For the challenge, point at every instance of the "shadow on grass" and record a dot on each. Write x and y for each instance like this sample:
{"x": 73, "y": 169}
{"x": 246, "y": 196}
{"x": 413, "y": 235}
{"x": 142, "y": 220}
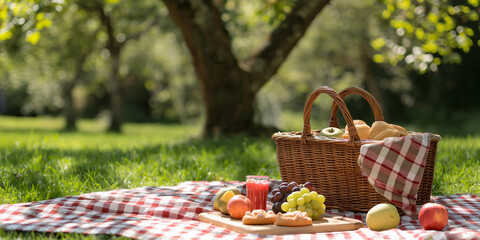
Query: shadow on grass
{"x": 46, "y": 132}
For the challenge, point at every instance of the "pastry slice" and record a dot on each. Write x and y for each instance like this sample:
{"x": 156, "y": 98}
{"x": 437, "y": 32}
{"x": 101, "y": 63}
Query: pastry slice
{"x": 259, "y": 216}
{"x": 293, "y": 219}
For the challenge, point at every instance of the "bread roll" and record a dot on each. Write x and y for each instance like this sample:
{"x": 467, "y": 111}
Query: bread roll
{"x": 293, "y": 219}
{"x": 259, "y": 216}
{"x": 362, "y": 128}
{"x": 381, "y": 130}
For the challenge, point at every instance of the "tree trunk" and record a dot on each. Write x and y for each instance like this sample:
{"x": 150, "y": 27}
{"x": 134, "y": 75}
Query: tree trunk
{"x": 229, "y": 104}
{"x": 116, "y": 94}
{"x": 229, "y": 86}
{"x": 69, "y": 86}
{"x": 69, "y": 108}
{"x": 115, "y": 86}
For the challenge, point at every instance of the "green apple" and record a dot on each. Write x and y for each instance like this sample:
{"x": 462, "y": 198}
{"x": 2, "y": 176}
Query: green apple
{"x": 332, "y": 132}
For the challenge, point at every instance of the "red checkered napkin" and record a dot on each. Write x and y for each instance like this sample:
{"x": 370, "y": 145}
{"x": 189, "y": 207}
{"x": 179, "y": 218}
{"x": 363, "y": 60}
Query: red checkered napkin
{"x": 394, "y": 167}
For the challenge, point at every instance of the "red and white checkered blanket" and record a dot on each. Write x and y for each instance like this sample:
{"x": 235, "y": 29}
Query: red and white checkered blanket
{"x": 394, "y": 167}
{"x": 171, "y": 213}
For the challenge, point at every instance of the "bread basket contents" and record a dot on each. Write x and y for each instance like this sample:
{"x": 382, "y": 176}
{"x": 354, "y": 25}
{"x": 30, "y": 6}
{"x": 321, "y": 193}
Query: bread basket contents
{"x": 331, "y": 132}
{"x": 258, "y": 217}
{"x": 293, "y": 219}
{"x": 362, "y": 128}
{"x": 381, "y": 130}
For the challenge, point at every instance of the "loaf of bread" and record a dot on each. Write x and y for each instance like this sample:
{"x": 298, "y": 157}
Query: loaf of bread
{"x": 381, "y": 130}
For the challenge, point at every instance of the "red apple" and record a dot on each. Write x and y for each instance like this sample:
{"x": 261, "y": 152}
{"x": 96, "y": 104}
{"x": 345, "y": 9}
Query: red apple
{"x": 238, "y": 206}
{"x": 433, "y": 216}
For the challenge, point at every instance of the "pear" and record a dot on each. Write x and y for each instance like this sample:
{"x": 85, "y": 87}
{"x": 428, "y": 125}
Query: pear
{"x": 223, "y": 201}
{"x": 220, "y": 194}
{"x": 383, "y": 216}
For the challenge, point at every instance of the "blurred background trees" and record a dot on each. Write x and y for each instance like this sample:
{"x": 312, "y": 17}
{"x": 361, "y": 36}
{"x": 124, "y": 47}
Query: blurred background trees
{"x": 125, "y": 60}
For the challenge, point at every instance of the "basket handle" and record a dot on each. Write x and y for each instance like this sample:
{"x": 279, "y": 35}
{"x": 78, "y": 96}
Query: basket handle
{"x": 377, "y": 111}
{"x": 307, "y": 130}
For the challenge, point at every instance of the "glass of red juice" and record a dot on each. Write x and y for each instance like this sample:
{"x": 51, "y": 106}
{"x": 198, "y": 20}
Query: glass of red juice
{"x": 257, "y": 191}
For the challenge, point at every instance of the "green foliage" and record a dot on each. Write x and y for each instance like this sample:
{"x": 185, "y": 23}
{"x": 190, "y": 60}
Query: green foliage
{"x": 273, "y": 12}
{"x": 159, "y": 65}
{"x": 334, "y": 52}
{"x": 43, "y": 72}
{"x": 428, "y": 32}
{"x": 25, "y": 19}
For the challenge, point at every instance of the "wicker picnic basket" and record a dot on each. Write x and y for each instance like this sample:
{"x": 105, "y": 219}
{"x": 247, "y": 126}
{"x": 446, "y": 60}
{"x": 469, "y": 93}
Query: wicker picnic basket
{"x": 331, "y": 164}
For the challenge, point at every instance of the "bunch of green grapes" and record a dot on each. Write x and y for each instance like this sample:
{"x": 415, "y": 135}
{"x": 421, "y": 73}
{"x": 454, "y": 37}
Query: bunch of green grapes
{"x": 305, "y": 201}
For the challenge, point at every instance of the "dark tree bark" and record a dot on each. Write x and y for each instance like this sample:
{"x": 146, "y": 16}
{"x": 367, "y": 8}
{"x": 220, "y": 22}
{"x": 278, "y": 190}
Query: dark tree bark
{"x": 69, "y": 86}
{"x": 70, "y": 113}
{"x": 114, "y": 84}
{"x": 229, "y": 85}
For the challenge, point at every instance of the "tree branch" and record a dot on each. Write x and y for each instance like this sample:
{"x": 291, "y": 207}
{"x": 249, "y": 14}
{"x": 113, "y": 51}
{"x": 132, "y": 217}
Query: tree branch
{"x": 265, "y": 62}
{"x": 204, "y": 33}
{"x": 112, "y": 43}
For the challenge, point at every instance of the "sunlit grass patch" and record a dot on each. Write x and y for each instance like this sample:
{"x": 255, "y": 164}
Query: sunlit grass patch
{"x": 457, "y": 168}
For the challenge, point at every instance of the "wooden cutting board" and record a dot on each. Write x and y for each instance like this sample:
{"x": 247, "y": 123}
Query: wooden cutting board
{"x": 328, "y": 223}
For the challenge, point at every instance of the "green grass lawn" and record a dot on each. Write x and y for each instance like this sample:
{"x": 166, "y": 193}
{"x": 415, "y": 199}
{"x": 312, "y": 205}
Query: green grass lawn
{"x": 39, "y": 161}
